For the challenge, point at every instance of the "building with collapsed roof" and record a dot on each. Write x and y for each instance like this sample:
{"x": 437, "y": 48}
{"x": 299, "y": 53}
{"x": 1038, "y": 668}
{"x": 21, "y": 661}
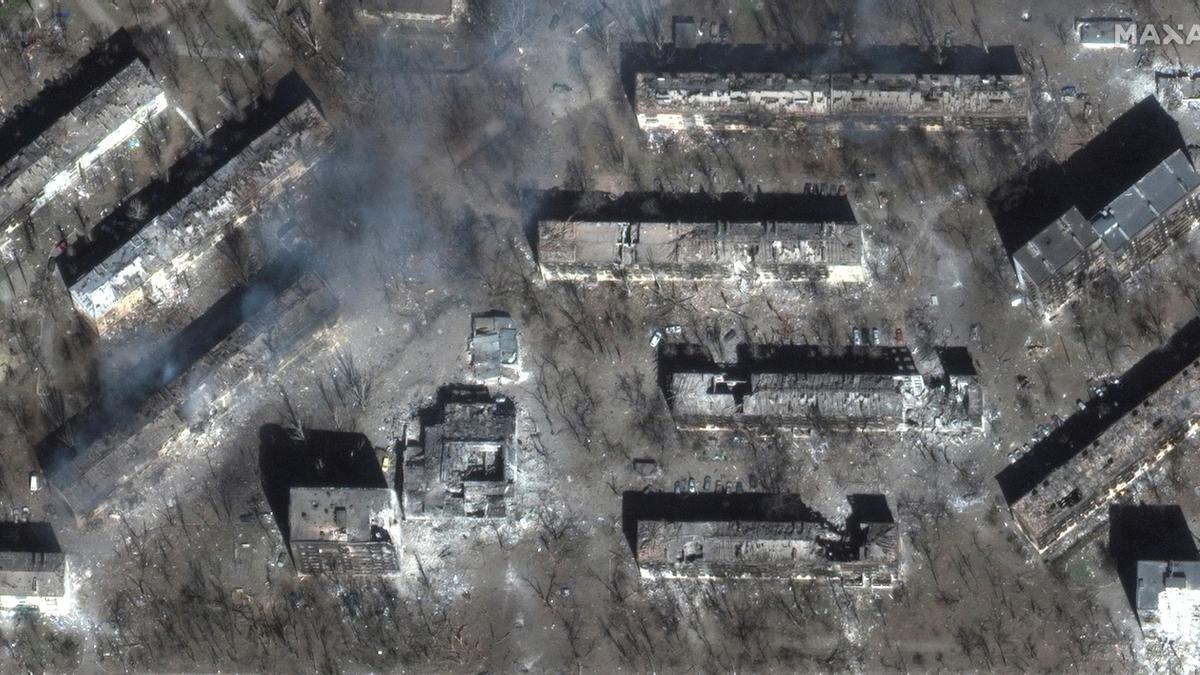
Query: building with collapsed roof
{"x": 1130, "y": 231}
{"x": 33, "y": 570}
{"x": 717, "y": 88}
{"x": 792, "y": 386}
{"x": 758, "y": 536}
{"x": 78, "y": 155}
{"x": 493, "y": 346}
{"x": 1168, "y": 599}
{"x": 962, "y": 405}
{"x": 461, "y": 465}
{"x": 178, "y": 265}
{"x": 647, "y": 236}
{"x": 250, "y": 331}
{"x": 343, "y": 530}
{"x": 1059, "y": 492}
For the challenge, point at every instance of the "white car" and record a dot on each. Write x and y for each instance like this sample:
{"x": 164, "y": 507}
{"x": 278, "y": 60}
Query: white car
{"x": 655, "y": 338}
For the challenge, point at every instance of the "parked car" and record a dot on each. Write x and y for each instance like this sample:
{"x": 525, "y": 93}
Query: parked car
{"x": 875, "y": 336}
{"x": 857, "y": 336}
{"x": 655, "y": 338}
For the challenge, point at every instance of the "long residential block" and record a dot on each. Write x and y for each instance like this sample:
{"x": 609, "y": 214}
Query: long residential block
{"x": 648, "y": 236}
{"x": 1060, "y": 491}
{"x": 181, "y": 262}
{"x": 718, "y": 88}
{"x": 760, "y": 536}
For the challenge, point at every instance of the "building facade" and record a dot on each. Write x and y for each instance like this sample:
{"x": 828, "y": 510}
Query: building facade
{"x": 745, "y": 88}
{"x": 1132, "y": 230}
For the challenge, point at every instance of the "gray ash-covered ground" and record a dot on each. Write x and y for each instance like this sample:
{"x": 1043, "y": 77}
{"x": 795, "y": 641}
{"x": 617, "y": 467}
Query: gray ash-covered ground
{"x": 421, "y": 217}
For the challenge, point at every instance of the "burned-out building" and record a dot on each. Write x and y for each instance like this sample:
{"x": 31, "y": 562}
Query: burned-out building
{"x": 78, "y": 155}
{"x": 1060, "y": 490}
{"x": 175, "y": 267}
{"x": 791, "y": 386}
{"x": 344, "y": 530}
{"x": 760, "y": 536}
{"x": 33, "y": 570}
{"x": 656, "y": 236}
{"x": 181, "y": 384}
{"x": 722, "y": 88}
{"x": 461, "y": 464}
{"x": 492, "y": 346}
{"x": 960, "y": 389}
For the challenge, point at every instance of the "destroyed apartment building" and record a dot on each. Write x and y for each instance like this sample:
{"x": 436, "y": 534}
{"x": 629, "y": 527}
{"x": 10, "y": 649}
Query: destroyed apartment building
{"x": 1113, "y": 207}
{"x": 492, "y": 347}
{"x": 178, "y": 265}
{"x": 791, "y": 386}
{"x": 78, "y": 162}
{"x": 344, "y": 530}
{"x": 961, "y": 391}
{"x": 737, "y": 88}
{"x": 592, "y": 236}
{"x": 761, "y": 536}
{"x": 33, "y": 570}
{"x": 1061, "y": 489}
{"x": 462, "y": 463}
{"x": 183, "y": 383}
{"x": 333, "y": 504}
{"x": 1168, "y": 600}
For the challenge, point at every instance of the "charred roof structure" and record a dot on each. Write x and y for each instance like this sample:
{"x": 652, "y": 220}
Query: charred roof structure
{"x": 33, "y": 570}
{"x": 43, "y": 163}
{"x": 179, "y": 264}
{"x": 461, "y": 465}
{"x": 183, "y": 383}
{"x": 344, "y": 530}
{"x": 1114, "y": 206}
{"x": 796, "y": 386}
{"x": 493, "y": 346}
{"x": 1059, "y": 491}
{"x": 721, "y": 88}
{"x": 761, "y": 536}
{"x": 693, "y": 236}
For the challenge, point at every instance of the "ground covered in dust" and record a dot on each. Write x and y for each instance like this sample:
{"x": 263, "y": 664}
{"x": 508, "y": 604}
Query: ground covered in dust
{"x": 422, "y": 216}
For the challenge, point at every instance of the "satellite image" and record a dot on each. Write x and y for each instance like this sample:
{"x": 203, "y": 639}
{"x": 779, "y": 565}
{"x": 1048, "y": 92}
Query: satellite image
{"x": 612, "y": 336}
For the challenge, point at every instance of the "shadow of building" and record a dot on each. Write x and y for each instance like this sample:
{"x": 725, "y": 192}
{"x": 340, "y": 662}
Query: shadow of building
{"x": 1092, "y": 177}
{"x": 1147, "y": 532}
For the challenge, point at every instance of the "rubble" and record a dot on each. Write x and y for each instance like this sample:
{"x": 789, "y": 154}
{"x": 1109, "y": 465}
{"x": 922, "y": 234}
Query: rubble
{"x": 462, "y": 463}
